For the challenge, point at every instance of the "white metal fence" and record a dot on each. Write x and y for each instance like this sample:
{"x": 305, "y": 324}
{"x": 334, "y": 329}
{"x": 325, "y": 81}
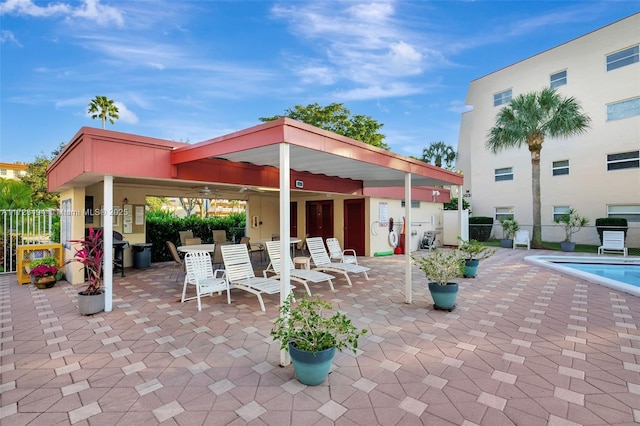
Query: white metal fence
{"x": 21, "y": 227}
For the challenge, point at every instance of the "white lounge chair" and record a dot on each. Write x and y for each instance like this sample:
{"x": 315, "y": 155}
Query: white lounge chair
{"x": 336, "y": 253}
{"x": 200, "y": 274}
{"x": 612, "y": 241}
{"x": 522, "y": 239}
{"x": 322, "y": 262}
{"x": 240, "y": 274}
{"x": 302, "y": 276}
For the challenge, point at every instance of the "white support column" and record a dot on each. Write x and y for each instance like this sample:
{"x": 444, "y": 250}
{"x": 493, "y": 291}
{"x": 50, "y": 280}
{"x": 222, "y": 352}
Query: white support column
{"x": 460, "y": 204}
{"x": 408, "y": 298}
{"x": 285, "y": 232}
{"x": 107, "y": 238}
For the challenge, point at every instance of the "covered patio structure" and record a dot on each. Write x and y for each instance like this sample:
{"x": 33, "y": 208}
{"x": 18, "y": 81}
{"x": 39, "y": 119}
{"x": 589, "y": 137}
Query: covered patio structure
{"x": 284, "y": 155}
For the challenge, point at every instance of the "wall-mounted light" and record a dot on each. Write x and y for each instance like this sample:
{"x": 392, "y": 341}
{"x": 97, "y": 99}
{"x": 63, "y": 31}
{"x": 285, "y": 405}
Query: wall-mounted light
{"x": 125, "y": 201}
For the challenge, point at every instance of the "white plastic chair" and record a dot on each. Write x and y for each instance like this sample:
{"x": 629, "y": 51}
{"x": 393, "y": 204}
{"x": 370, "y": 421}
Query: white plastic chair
{"x": 522, "y": 239}
{"x": 240, "y": 274}
{"x": 612, "y": 241}
{"x": 200, "y": 274}
{"x": 336, "y": 252}
{"x": 322, "y": 262}
{"x": 300, "y": 275}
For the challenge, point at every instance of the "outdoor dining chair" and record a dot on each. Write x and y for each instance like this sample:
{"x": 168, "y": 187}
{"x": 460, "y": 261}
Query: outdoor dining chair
{"x": 178, "y": 261}
{"x": 201, "y": 275}
{"x": 184, "y": 235}
{"x": 192, "y": 241}
{"x": 322, "y": 262}
{"x": 303, "y": 276}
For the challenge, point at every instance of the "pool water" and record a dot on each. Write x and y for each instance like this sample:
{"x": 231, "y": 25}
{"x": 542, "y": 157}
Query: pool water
{"x": 629, "y": 274}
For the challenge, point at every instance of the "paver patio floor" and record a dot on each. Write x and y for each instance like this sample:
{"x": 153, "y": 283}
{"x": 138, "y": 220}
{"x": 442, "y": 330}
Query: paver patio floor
{"x": 525, "y": 346}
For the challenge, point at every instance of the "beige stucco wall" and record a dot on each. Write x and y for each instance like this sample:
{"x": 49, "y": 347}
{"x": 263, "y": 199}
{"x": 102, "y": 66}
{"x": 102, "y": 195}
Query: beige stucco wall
{"x": 589, "y": 188}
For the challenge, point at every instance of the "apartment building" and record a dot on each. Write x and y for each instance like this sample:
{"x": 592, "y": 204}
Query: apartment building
{"x": 597, "y": 173}
{"x": 12, "y": 170}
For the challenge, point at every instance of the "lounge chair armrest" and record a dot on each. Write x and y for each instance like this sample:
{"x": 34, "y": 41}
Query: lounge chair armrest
{"x": 349, "y": 251}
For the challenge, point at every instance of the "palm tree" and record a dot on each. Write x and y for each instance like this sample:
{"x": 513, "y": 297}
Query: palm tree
{"x": 530, "y": 118}
{"x": 104, "y": 109}
{"x": 439, "y": 152}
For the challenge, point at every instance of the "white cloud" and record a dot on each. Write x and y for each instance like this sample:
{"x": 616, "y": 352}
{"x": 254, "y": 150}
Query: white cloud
{"x": 459, "y": 107}
{"x": 91, "y": 10}
{"x": 9, "y": 37}
{"x": 125, "y": 114}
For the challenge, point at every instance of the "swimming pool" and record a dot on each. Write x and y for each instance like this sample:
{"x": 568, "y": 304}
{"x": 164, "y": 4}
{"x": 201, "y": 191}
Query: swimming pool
{"x": 619, "y": 273}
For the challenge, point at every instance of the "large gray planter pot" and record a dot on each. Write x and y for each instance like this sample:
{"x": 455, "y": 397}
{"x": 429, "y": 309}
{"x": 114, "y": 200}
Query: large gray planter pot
{"x": 567, "y": 246}
{"x": 506, "y": 243}
{"x": 90, "y": 304}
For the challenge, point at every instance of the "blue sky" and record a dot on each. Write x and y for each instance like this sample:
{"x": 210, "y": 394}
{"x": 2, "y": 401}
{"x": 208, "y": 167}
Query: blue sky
{"x": 193, "y": 70}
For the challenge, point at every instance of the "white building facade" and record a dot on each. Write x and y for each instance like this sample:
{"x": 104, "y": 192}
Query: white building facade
{"x": 597, "y": 173}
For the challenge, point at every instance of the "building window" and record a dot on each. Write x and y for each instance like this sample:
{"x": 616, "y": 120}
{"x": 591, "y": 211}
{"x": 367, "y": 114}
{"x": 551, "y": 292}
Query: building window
{"x": 623, "y": 58}
{"x": 558, "y": 79}
{"x": 623, "y": 160}
{"x": 415, "y": 204}
{"x": 504, "y": 174}
{"x": 624, "y": 109}
{"x": 629, "y": 212}
{"x": 560, "y": 168}
{"x": 504, "y": 213}
{"x": 502, "y": 98}
{"x": 3, "y": 172}
{"x": 560, "y": 211}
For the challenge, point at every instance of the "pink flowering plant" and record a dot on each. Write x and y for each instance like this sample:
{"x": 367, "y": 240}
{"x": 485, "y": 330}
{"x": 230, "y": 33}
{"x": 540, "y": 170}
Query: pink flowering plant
{"x": 44, "y": 271}
{"x": 90, "y": 255}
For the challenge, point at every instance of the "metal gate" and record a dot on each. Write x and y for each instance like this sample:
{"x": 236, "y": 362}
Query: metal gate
{"x": 21, "y": 227}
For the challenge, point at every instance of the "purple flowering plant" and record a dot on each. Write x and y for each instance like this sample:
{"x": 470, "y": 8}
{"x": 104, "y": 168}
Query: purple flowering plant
{"x": 44, "y": 271}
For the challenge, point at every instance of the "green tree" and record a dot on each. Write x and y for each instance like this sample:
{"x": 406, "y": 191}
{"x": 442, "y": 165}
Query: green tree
{"x": 14, "y": 195}
{"x": 439, "y": 152}
{"x": 337, "y": 118}
{"x": 529, "y": 119}
{"x": 104, "y": 109}
{"x": 157, "y": 203}
{"x": 36, "y": 179}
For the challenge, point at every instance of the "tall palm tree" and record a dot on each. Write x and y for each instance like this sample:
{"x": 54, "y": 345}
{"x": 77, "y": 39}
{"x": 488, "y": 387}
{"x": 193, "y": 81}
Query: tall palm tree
{"x": 104, "y": 109}
{"x": 439, "y": 152}
{"x": 529, "y": 119}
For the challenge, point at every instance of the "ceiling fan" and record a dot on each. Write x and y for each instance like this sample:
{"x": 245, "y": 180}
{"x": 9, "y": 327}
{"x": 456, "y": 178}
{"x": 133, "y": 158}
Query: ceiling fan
{"x": 203, "y": 192}
{"x": 250, "y": 188}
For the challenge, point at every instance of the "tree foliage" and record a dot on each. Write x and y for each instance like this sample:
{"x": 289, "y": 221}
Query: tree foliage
{"x": 337, "y": 118}
{"x": 529, "y": 119}
{"x": 36, "y": 179}
{"x": 439, "y": 152}
{"x": 14, "y": 195}
{"x": 104, "y": 109}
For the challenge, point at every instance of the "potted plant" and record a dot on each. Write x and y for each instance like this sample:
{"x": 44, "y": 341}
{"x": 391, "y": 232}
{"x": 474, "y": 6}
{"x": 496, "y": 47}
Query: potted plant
{"x": 440, "y": 268}
{"x": 572, "y": 223}
{"x": 509, "y": 228}
{"x": 89, "y": 255}
{"x": 44, "y": 272}
{"x": 312, "y": 335}
{"x": 473, "y": 252}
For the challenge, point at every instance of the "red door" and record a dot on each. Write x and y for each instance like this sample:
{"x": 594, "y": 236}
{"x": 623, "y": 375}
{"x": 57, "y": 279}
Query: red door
{"x": 320, "y": 218}
{"x": 354, "y": 226}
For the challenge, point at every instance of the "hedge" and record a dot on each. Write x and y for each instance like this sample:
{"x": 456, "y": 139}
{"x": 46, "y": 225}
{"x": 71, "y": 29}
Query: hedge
{"x": 164, "y": 227}
{"x": 480, "y": 227}
{"x": 611, "y": 224}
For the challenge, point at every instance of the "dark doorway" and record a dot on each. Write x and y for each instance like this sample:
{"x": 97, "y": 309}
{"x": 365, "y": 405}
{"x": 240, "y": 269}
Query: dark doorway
{"x": 320, "y": 218}
{"x": 354, "y": 226}
{"x": 293, "y": 217}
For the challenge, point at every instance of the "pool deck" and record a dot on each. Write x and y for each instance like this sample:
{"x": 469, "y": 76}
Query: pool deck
{"x": 525, "y": 346}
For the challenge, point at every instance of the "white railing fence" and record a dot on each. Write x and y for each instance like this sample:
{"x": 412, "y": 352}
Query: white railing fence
{"x": 22, "y": 227}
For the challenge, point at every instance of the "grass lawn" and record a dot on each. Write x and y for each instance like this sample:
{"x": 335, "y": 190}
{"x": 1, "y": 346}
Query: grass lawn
{"x": 580, "y": 248}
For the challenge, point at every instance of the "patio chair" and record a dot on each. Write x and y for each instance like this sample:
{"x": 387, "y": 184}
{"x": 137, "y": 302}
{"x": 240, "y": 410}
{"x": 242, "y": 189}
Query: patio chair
{"x": 240, "y": 275}
{"x": 303, "y": 276}
{"x": 613, "y": 241}
{"x": 522, "y": 239}
{"x": 178, "y": 261}
{"x": 253, "y": 248}
{"x": 200, "y": 274}
{"x": 322, "y": 262}
{"x": 184, "y": 235}
{"x": 336, "y": 252}
{"x": 219, "y": 236}
{"x": 192, "y": 241}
